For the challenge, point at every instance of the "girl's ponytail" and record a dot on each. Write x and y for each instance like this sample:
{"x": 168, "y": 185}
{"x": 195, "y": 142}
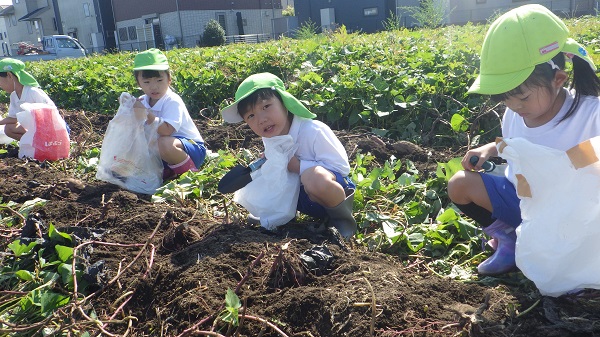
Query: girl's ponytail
{"x": 585, "y": 81}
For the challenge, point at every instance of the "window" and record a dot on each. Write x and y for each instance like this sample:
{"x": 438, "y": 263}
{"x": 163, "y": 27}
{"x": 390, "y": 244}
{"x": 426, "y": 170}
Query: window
{"x": 373, "y": 11}
{"x": 132, "y": 33}
{"x": 13, "y": 20}
{"x": 65, "y": 43}
{"x": 123, "y": 34}
{"x": 86, "y": 9}
{"x": 29, "y": 27}
{"x": 221, "y": 20}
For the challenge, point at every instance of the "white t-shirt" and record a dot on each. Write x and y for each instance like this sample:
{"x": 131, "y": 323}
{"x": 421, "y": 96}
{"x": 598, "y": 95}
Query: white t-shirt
{"x": 582, "y": 125}
{"x": 318, "y": 146}
{"x": 28, "y": 95}
{"x": 172, "y": 110}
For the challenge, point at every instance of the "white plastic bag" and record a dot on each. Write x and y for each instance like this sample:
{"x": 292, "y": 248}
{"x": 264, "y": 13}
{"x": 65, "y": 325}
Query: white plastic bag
{"x": 557, "y": 242}
{"x": 4, "y": 139}
{"x": 46, "y": 137}
{"x": 272, "y": 195}
{"x": 129, "y": 156}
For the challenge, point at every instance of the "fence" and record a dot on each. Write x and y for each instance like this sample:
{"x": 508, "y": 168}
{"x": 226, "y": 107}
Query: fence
{"x": 248, "y": 38}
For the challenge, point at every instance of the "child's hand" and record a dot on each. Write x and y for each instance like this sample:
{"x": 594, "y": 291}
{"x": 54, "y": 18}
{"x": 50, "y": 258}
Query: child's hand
{"x": 294, "y": 165}
{"x": 483, "y": 153}
{"x": 140, "y": 110}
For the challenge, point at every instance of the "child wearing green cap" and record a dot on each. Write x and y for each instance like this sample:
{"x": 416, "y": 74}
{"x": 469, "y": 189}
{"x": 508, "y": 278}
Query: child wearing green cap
{"x": 523, "y": 65}
{"x": 23, "y": 88}
{"x": 263, "y": 103}
{"x": 180, "y": 144}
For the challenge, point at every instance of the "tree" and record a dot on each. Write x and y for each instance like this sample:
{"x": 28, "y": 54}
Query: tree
{"x": 214, "y": 34}
{"x": 430, "y": 13}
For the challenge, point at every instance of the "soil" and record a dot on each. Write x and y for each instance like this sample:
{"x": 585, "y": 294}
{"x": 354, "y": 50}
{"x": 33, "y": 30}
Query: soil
{"x": 164, "y": 270}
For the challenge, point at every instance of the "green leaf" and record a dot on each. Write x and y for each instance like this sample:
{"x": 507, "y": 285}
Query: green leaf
{"x": 64, "y": 253}
{"x": 30, "y": 204}
{"x": 20, "y": 249}
{"x": 24, "y": 275}
{"x": 51, "y": 301}
{"x": 232, "y": 300}
{"x": 232, "y": 304}
{"x": 459, "y": 123}
{"x": 54, "y": 234}
{"x": 447, "y": 170}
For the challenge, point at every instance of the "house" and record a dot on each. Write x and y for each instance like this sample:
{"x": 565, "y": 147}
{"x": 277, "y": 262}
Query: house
{"x": 90, "y": 21}
{"x": 462, "y": 11}
{"x": 368, "y": 15}
{"x": 143, "y": 24}
{"x": 363, "y": 15}
{"x": 4, "y": 40}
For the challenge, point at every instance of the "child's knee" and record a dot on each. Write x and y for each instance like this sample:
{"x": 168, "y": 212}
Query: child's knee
{"x": 455, "y": 184}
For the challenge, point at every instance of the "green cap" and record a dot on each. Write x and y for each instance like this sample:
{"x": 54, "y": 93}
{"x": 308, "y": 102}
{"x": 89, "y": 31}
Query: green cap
{"x": 516, "y": 42}
{"x": 151, "y": 59}
{"x": 260, "y": 81}
{"x": 17, "y": 67}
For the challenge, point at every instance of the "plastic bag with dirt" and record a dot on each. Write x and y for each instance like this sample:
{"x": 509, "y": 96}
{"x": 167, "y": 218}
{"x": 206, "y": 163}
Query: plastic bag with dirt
{"x": 129, "y": 156}
{"x": 557, "y": 241}
{"x": 272, "y": 195}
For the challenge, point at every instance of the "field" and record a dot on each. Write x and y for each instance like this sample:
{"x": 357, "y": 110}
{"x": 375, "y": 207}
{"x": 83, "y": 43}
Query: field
{"x": 185, "y": 262}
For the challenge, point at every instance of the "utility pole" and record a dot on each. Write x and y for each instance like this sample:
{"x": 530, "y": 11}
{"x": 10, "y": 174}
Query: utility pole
{"x": 179, "y": 18}
{"x": 273, "y": 18}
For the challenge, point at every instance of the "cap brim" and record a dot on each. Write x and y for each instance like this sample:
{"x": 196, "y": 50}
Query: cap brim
{"x": 230, "y": 113}
{"x": 25, "y": 78}
{"x": 572, "y": 47}
{"x": 493, "y": 84}
{"x": 153, "y": 67}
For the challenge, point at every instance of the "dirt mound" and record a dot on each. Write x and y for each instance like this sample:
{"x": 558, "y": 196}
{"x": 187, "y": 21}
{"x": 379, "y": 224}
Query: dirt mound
{"x": 164, "y": 270}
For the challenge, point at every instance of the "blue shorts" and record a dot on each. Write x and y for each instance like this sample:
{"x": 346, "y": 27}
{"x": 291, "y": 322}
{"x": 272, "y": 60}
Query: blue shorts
{"x": 309, "y": 207}
{"x": 504, "y": 199}
{"x": 196, "y": 151}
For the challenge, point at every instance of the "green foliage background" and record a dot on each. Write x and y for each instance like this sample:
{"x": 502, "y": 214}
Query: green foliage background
{"x": 402, "y": 84}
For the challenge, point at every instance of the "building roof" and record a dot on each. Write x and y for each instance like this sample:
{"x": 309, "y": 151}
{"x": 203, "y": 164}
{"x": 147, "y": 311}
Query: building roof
{"x": 33, "y": 14}
{"x": 7, "y": 10}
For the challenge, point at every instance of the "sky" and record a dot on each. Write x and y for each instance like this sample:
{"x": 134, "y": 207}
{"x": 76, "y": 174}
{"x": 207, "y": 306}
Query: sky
{"x": 5, "y": 2}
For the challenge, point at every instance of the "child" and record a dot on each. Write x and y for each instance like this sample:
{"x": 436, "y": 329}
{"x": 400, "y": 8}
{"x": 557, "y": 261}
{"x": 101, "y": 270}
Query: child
{"x": 321, "y": 161}
{"x": 180, "y": 145}
{"x": 523, "y": 65}
{"x": 23, "y": 88}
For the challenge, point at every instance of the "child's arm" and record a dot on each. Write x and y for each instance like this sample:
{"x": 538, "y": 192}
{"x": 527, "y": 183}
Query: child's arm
{"x": 164, "y": 128}
{"x": 294, "y": 165}
{"x": 8, "y": 120}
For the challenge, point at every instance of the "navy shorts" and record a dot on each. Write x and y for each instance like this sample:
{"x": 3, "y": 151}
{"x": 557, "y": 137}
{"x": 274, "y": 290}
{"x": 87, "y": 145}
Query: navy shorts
{"x": 196, "y": 151}
{"x": 504, "y": 199}
{"x": 309, "y": 207}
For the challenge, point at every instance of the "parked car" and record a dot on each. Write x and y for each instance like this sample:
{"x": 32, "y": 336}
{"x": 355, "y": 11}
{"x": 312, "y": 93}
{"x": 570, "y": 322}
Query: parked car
{"x": 53, "y": 47}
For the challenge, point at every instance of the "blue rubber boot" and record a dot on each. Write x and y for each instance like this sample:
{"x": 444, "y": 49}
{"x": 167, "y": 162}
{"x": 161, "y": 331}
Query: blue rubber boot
{"x": 503, "y": 260}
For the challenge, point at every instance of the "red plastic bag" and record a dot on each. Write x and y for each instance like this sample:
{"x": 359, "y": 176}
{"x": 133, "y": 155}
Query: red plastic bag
{"x": 46, "y": 137}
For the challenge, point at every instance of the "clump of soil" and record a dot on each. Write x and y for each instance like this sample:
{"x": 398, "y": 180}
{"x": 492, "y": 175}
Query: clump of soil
{"x": 164, "y": 270}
